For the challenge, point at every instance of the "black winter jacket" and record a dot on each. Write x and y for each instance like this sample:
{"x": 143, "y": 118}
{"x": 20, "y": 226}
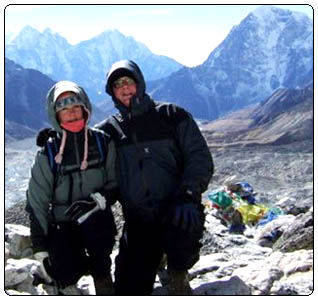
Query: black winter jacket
{"x": 161, "y": 153}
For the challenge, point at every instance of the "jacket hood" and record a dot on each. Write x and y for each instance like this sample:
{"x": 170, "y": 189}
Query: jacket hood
{"x": 125, "y": 68}
{"x": 59, "y": 88}
{"x": 141, "y": 102}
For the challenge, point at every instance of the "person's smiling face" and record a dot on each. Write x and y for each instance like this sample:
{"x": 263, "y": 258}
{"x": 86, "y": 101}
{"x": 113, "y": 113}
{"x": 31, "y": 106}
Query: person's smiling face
{"x": 124, "y": 89}
{"x": 69, "y": 113}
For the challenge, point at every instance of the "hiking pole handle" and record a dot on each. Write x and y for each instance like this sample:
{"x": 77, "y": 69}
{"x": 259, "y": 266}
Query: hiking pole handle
{"x": 85, "y": 216}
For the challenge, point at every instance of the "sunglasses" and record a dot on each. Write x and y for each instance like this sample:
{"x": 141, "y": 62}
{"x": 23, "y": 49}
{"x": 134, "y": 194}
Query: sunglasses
{"x": 123, "y": 81}
{"x": 61, "y": 103}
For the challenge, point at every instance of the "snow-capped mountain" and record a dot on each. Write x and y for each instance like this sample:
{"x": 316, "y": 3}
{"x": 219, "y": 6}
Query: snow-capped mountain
{"x": 271, "y": 48}
{"x": 87, "y": 62}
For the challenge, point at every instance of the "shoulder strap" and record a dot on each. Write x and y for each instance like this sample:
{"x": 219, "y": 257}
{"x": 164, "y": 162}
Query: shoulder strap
{"x": 167, "y": 113}
{"x": 100, "y": 140}
{"x": 51, "y": 149}
{"x": 114, "y": 127}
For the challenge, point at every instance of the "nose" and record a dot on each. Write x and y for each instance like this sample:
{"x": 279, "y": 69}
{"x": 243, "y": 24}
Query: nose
{"x": 72, "y": 110}
{"x": 125, "y": 87}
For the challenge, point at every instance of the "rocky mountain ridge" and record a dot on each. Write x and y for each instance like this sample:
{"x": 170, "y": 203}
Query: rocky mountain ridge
{"x": 87, "y": 62}
{"x": 272, "y": 48}
{"x": 25, "y": 100}
{"x": 285, "y": 117}
{"x": 25, "y": 91}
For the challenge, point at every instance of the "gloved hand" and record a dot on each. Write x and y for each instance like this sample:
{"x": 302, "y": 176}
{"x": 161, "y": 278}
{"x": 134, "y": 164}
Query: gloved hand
{"x": 80, "y": 210}
{"x": 43, "y": 135}
{"x": 41, "y": 269}
{"x": 186, "y": 214}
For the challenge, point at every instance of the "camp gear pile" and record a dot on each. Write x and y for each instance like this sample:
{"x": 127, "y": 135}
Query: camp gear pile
{"x": 235, "y": 205}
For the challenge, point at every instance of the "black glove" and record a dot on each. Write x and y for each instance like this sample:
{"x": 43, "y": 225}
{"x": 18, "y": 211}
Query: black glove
{"x": 79, "y": 208}
{"x": 186, "y": 214}
{"x": 43, "y": 135}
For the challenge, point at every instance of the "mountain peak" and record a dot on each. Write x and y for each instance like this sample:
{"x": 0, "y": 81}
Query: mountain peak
{"x": 28, "y": 31}
{"x": 47, "y": 30}
{"x": 268, "y": 12}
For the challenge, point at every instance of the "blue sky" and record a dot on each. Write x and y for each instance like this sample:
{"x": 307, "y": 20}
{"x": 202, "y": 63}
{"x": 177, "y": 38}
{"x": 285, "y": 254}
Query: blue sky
{"x": 187, "y": 33}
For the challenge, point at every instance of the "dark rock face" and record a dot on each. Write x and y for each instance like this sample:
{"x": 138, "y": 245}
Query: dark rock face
{"x": 25, "y": 101}
{"x": 299, "y": 235}
{"x": 300, "y": 101}
{"x": 25, "y": 96}
{"x": 285, "y": 117}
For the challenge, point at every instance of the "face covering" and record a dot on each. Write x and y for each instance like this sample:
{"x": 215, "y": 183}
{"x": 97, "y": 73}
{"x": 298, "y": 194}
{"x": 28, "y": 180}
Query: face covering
{"x": 75, "y": 126}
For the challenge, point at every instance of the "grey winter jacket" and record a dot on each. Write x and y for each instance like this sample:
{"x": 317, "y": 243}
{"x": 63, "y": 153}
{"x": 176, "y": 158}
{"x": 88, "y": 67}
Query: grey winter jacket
{"x": 161, "y": 153}
{"x": 49, "y": 194}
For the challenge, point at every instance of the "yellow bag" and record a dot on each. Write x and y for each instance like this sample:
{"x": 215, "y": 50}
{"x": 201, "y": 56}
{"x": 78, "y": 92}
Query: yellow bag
{"x": 251, "y": 213}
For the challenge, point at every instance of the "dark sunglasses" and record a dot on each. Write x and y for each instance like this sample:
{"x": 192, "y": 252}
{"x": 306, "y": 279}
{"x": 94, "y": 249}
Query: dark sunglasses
{"x": 123, "y": 81}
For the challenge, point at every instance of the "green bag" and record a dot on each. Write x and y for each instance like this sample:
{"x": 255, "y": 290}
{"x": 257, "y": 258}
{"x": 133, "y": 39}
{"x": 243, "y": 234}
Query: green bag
{"x": 221, "y": 199}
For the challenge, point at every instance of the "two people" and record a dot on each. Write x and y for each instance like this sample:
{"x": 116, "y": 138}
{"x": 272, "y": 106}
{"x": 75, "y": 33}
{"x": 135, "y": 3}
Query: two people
{"x": 162, "y": 166}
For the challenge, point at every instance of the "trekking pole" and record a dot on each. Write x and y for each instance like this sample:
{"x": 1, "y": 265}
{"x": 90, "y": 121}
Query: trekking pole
{"x": 85, "y": 216}
{"x": 100, "y": 205}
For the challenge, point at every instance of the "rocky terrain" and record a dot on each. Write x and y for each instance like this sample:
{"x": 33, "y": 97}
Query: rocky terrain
{"x": 270, "y": 146}
{"x": 230, "y": 264}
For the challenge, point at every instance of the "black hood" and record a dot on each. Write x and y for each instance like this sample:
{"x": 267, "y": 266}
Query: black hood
{"x": 141, "y": 102}
{"x": 125, "y": 68}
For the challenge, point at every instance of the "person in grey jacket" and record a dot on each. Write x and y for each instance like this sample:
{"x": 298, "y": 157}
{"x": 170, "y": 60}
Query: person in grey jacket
{"x": 72, "y": 225}
{"x": 163, "y": 165}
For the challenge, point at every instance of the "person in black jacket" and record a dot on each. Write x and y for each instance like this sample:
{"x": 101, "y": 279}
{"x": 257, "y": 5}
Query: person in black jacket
{"x": 163, "y": 165}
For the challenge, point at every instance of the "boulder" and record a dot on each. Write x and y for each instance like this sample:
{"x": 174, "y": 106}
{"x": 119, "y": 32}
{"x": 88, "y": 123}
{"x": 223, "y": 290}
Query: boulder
{"x": 293, "y": 207}
{"x": 268, "y": 276}
{"x": 17, "y": 271}
{"x": 6, "y": 252}
{"x": 269, "y": 233}
{"x": 299, "y": 235}
{"x": 233, "y": 286}
{"x": 18, "y": 237}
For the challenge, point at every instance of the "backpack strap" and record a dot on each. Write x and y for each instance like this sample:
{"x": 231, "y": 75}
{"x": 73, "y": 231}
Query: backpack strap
{"x": 168, "y": 113}
{"x": 113, "y": 127}
{"x": 52, "y": 145}
{"x": 100, "y": 141}
{"x": 51, "y": 149}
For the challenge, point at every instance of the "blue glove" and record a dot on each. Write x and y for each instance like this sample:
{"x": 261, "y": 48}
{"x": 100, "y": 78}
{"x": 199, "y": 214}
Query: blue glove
{"x": 186, "y": 214}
